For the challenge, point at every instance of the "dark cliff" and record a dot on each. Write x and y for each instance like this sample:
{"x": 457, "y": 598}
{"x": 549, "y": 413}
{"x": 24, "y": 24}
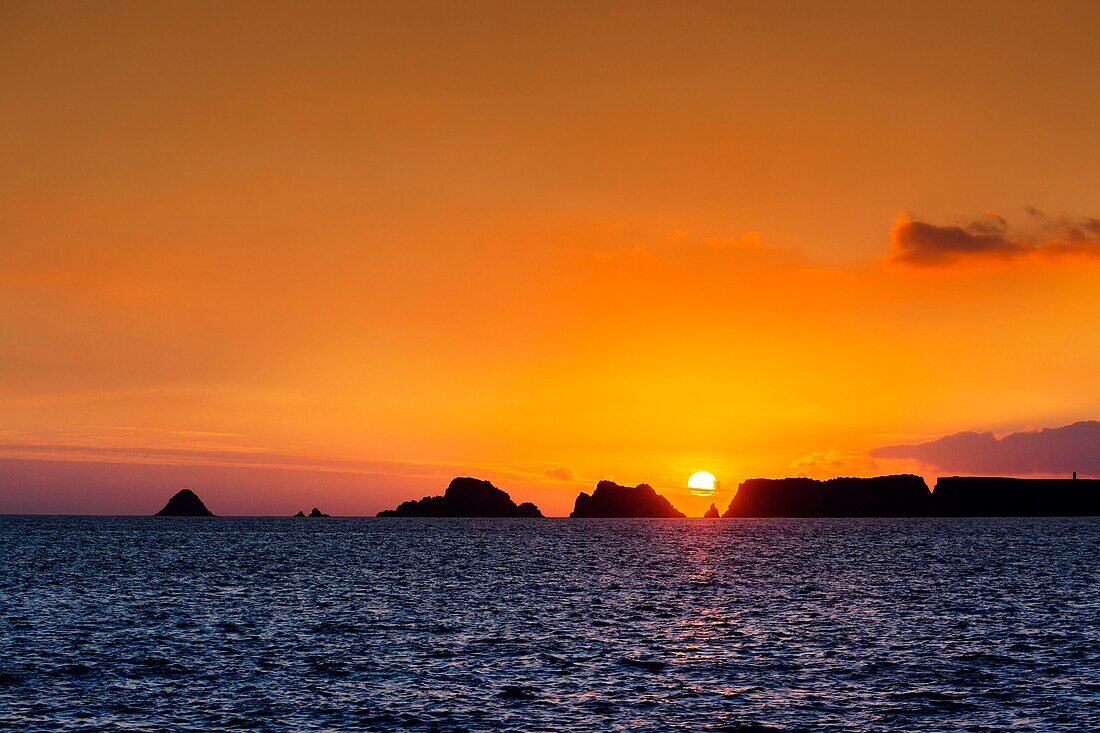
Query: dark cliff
{"x": 612, "y": 500}
{"x": 988, "y": 496}
{"x": 465, "y": 497}
{"x": 185, "y": 504}
{"x": 881, "y": 496}
{"x": 711, "y": 513}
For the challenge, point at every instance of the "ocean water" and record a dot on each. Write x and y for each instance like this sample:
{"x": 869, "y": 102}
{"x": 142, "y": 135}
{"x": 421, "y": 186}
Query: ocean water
{"x": 145, "y": 624}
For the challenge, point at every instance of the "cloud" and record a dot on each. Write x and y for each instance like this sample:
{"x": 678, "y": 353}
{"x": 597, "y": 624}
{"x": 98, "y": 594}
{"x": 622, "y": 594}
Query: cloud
{"x": 921, "y": 244}
{"x": 832, "y": 463}
{"x": 561, "y": 473}
{"x": 1061, "y": 450}
{"x": 681, "y": 246}
{"x": 708, "y": 492}
{"x": 747, "y": 241}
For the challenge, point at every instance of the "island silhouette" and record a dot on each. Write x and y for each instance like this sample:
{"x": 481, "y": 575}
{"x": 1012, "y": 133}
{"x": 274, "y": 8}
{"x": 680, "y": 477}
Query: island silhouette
{"x": 612, "y": 500}
{"x": 903, "y": 495}
{"x": 909, "y": 496}
{"x": 985, "y": 496}
{"x": 880, "y": 496}
{"x": 465, "y": 497}
{"x": 185, "y": 503}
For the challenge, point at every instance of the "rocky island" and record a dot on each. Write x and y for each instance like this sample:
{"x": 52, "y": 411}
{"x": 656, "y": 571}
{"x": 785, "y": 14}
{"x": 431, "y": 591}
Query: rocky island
{"x": 465, "y": 497}
{"x": 881, "y": 496}
{"x": 185, "y": 503}
{"x": 315, "y": 513}
{"x": 992, "y": 496}
{"x": 612, "y": 500}
{"x": 711, "y": 513}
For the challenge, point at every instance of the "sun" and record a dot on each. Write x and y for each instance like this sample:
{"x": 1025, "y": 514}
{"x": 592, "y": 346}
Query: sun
{"x": 701, "y": 483}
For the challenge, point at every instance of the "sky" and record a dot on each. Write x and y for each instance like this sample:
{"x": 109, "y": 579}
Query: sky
{"x": 334, "y": 254}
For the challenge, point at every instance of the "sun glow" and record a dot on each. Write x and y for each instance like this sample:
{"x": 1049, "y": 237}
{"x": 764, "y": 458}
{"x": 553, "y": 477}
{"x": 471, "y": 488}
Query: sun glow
{"x": 701, "y": 483}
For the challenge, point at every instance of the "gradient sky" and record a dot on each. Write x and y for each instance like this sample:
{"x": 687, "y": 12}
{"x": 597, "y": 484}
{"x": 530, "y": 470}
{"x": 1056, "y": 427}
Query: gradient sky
{"x": 335, "y": 254}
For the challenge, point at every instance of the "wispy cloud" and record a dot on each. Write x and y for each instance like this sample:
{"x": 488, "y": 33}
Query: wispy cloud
{"x": 560, "y": 473}
{"x": 830, "y": 463}
{"x": 748, "y": 241}
{"x": 166, "y": 448}
{"x": 78, "y": 397}
{"x": 681, "y": 244}
{"x": 922, "y": 244}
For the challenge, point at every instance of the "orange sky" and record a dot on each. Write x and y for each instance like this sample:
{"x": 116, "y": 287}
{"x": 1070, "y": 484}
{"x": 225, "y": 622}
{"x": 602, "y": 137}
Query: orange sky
{"x": 335, "y": 254}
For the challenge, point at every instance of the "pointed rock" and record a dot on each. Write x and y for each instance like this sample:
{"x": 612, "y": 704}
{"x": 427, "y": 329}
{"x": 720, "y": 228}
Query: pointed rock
{"x": 299, "y": 514}
{"x": 712, "y": 513}
{"x": 317, "y": 513}
{"x": 185, "y": 504}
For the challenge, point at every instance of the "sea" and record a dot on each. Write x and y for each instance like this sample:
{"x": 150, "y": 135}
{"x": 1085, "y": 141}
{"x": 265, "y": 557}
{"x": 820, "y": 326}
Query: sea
{"x": 179, "y": 624}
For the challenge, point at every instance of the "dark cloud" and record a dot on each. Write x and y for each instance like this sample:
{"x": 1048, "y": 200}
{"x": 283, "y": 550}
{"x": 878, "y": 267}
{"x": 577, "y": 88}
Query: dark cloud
{"x": 561, "y": 473}
{"x": 927, "y": 245}
{"x": 1061, "y": 450}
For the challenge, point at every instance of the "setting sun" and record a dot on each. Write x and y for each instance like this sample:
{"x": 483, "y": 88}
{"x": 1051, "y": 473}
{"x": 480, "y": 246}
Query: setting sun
{"x": 701, "y": 483}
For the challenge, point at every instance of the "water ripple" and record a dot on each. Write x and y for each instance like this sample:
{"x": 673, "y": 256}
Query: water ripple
{"x": 556, "y": 625}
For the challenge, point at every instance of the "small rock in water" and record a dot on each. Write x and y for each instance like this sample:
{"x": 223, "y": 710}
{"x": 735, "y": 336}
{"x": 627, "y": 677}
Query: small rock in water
{"x": 317, "y": 513}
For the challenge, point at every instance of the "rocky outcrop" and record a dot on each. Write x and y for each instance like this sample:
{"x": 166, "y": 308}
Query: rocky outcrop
{"x": 612, "y": 500}
{"x": 528, "y": 510}
{"x": 465, "y": 497}
{"x": 908, "y": 496}
{"x": 711, "y": 513}
{"x": 988, "y": 496}
{"x": 881, "y": 496}
{"x": 185, "y": 504}
{"x": 299, "y": 514}
{"x": 317, "y": 513}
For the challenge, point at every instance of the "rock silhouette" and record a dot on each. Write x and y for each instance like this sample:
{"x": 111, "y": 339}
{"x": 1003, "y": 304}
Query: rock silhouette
{"x": 711, "y": 513}
{"x": 465, "y": 497}
{"x": 529, "y": 510}
{"x": 989, "y": 496}
{"x": 612, "y": 500}
{"x": 299, "y": 514}
{"x": 185, "y": 504}
{"x": 880, "y": 496}
{"x": 317, "y": 513}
